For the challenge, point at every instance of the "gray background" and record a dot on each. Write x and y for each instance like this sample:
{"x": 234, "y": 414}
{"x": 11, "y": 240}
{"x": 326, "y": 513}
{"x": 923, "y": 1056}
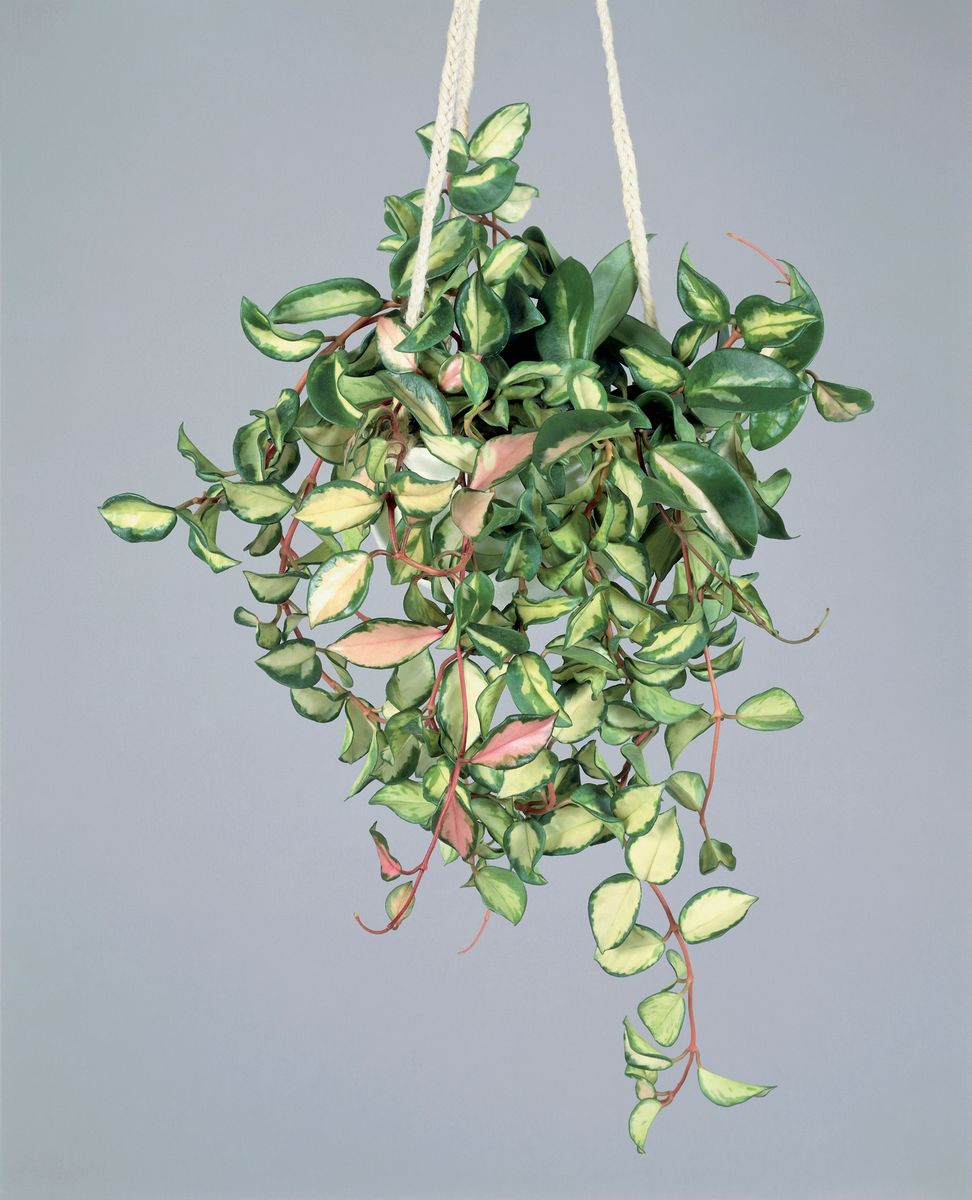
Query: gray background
{"x": 189, "y": 1010}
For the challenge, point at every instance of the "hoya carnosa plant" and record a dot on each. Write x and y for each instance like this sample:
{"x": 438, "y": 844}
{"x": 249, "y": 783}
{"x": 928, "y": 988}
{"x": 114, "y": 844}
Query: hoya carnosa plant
{"x": 568, "y": 501}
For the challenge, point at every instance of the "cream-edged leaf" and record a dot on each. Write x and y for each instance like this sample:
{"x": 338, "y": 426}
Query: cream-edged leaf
{"x": 642, "y": 1115}
{"x": 338, "y": 587}
{"x": 613, "y": 909}
{"x": 663, "y": 1015}
{"x": 711, "y": 913}
{"x": 641, "y": 949}
{"x": 502, "y": 891}
{"x": 135, "y": 519}
{"x": 726, "y": 1092}
{"x": 656, "y": 856}
{"x": 341, "y": 504}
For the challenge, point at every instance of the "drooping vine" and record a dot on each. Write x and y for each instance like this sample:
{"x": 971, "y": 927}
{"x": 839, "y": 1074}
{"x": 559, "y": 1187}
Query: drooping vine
{"x": 528, "y": 460}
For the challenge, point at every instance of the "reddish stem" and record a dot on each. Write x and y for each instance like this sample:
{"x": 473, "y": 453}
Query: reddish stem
{"x": 482, "y": 930}
{"x": 693, "y": 1049}
{"x": 769, "y": 258}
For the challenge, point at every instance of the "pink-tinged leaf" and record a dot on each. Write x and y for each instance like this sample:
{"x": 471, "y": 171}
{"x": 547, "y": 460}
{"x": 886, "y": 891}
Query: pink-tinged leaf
{"x": 450, "y": 375}
{"x": 389, "y": 335}
{"x": 384, "y": 643}
{"x": 388, "y": 864}
{"x": 469, "y": 510}
{"x": 501, "y": 457}
{"x": 457, "y": 827}
{"x": 515, "y": 742}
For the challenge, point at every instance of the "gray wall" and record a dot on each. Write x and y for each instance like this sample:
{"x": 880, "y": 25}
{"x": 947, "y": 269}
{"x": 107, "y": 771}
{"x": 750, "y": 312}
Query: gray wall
{"x": 189, "y": 1010}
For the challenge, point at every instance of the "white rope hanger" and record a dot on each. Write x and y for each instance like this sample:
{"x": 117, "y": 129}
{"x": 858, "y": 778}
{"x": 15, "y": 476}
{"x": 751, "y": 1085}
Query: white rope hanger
{"x": 456, "y": 82}
{"x": 630, "y": 193}
{"x": 455, "y": 90}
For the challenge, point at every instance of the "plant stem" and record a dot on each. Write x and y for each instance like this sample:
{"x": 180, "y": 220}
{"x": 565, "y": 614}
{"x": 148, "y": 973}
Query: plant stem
{"x": 693, "y": 1049}
{"x": 769, "y": 258}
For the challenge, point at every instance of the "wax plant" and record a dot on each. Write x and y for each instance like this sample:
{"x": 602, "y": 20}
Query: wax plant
{"x": 569, "y": 504}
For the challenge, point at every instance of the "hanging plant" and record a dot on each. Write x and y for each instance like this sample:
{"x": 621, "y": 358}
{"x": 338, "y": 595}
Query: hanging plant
{"x": 568, "y": 503}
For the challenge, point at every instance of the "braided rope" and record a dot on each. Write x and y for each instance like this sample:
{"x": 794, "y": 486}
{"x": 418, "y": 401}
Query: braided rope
{"x": 630, "y": 194}
{"x": 455, "y": 60}
{"x": 468, "y": 67}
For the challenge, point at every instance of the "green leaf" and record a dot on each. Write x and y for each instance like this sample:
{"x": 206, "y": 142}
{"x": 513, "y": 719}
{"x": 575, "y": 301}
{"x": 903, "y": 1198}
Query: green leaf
{"x": 800, "y": 352}
{"x": 726, "y": 1092}
{"x": 432, "y": 329}
{"x": 497, "y": 642}
{"x": 566, "y": 432}
{"x": 567, "y": 303}
{"x": 531, "y": 685}
{"x": 714, "y": 854}
{"x": 484, "y": 188}
{"x": 674, "y": 643}
{"x": 765, "y": 322}
{"x": 637, "y": 807}
{"x": 202, "y": 538}
{"x": 449, "y": 703}
{"x": 736, "y": 380}
{"x": 457, "y": 155}
{"x": 271, "y": 589}
{"x": 502, "y": 891}
{"x": 399, "y": 901}
{"x": 659, "y": 704}
{"x": 656, "y": 856}
{"x": 422, "y": 399}
{"x": 641, "y": 949}
{"x": 258, "y": 503}
{"x": 584, "y": 710}
{"x": 294, "y": 664}
{"x": 709, "y": 485}
{"x": 613, "y": 909}
{"x": 406, "y": 800}
{"x": 452, "y": 243}
{"x": 276, "y": 343}
{"x": 772, "y": 709}
{"x": 678, "y": 736}
{"x": 503, "y": 260}
{"x": 135, "y": 519}
{"x": 654, "y": 371}
{"x": 338, "y": 587}
{"x": 837, "y": 402}
{"x": 639, "y": 1052}
{"x": 713, "y": 912}
{"x": 481, "y": 315}
{"x": 768, "y": 428}
{"x": 570, "y": 829}
{"x": 205, "y": 469}
{"x": 615, "y": 284}
{"x": 502, "y": 133}
{"x": 321, "y": 301}
{"x": 663, "y": 1014}
{"x": 418, "y": 497}
{"x": 642, "y": 1115}
{"x": 316, "y": 704}
{"x": 341, "y": 504}
{"x": 699, "y": 297}
{"x": 518, "y": 204}
{"x": 524, "y": 842}
{"x": 687, "y": 788}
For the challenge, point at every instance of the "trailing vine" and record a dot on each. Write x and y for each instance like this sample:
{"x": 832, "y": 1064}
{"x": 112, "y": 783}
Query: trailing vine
{"x": 528, "y": 459}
